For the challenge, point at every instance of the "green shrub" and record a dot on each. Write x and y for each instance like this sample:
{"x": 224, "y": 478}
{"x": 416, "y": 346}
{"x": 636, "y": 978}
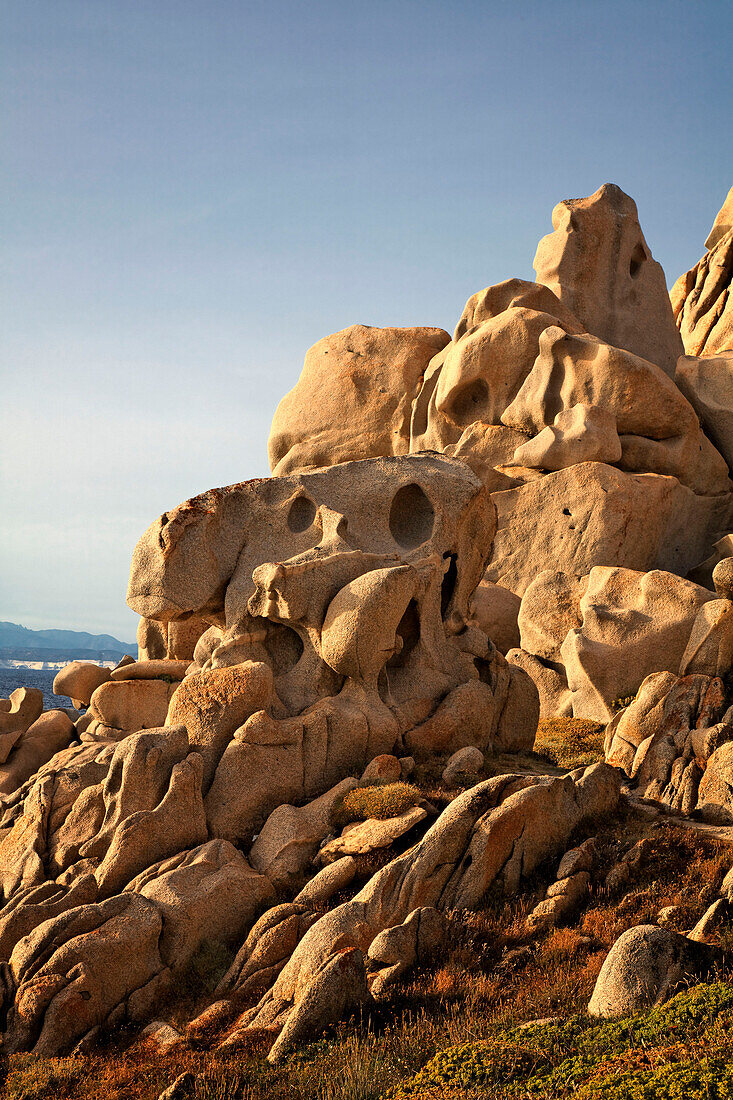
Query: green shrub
{"x": 576, "y": 1056}
{"x": 382, "y": 802}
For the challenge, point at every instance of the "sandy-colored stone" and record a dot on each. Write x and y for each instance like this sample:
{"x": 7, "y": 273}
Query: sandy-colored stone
{"x": 575, "y": 518}
{"x": 292, "y": 835}
{"x": 580, "y": 433}
{"x": 468, "y": 761}
{"x": 132, "y": 704}
{"x": 209, "y": 893}
{"x": 496, "y": 610}
{"x": 550, "y": 607}
{"x": 599, "y": 265}
{"x": 361, "y": 837}
{"x": 555, "y": 697}
{"x": 645, "y": 967}
{"x": 633, "y": 624}
{"x": 329, "y": 881}
{"x": 353, "y": 398}
{"x": 708, "y": 386}
{"x": 50, "y": 733}
{"x": 710, "y": 646}
{"x": 382, "y": 769}
{"x": 151, "y": 670}
{"x": 79, "y": 680}
{"x": 22, "y": 709}
{"x": 701, "y": 298}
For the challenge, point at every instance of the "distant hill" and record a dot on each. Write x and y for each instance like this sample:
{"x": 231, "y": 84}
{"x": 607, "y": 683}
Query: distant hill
{"x": 23, "y": 644}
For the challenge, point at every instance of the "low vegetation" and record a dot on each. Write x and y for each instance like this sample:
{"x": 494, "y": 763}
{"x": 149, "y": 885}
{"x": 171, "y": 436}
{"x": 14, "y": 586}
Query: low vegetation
{"x": 570, "y": 742}
{"x": 377, "y": 800}
{"x": 452, "y": 1029}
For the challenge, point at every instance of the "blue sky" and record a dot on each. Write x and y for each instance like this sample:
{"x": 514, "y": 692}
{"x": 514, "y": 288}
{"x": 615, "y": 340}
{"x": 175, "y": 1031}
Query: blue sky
{"x": 198, "y": 191}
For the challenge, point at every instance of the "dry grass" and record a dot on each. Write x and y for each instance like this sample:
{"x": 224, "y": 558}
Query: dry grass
{"x": 493, "y": 976}
{"x": 570, "y": 742}
{"x": 379, "y": 800}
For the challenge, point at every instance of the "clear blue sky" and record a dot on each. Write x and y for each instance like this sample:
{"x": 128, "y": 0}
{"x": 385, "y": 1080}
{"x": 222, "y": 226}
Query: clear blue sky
{"x": 198, "y": 190}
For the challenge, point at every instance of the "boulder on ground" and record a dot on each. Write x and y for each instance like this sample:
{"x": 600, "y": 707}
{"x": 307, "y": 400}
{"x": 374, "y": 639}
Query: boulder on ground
{"x": 163, "y": 669}
{"x": 207, "y": 894}
{"x": 468, "y": 761}
{"x": 361, "y": 837}
{"x": 645, "y": 967}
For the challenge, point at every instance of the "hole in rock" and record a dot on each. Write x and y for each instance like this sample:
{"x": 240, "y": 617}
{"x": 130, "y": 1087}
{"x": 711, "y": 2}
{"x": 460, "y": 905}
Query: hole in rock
{"x": 448, "y": 584}
{"x": 301, "y": 515}
{"x": 467, "y": 403}
{"x": 284, "y": 647}
{"x": 566, "y": 512}
{"x": 408, "y": 630}
{"x": 411, "y": 517}
{"x": 637, "y": 259}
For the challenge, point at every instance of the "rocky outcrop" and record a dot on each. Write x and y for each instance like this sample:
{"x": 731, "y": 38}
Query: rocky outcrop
{"x": 353, "y": 398}
{"x": 701, "y": 298}
{"x": 708, "y": 386}
{"x": 496, "y": 832}
{"x": 599, "y": 265}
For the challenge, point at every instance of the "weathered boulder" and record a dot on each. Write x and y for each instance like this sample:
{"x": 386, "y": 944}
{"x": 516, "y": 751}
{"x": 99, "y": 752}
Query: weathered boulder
{"x": 497, "y": 831}
{"x": 382, "y": 769}
{"x": 710, "y": 646}
{"x": 468, "y": 761}
{"x": 354, "y": 397}
{"x": 708, "y": 386}
{"x": 600, "y": 267}
{"x": 496, "y": 610}
{"x": 550, "y": 608}
{"x": 337, "y": 989}
{"x": 395, "y": 950}
{"x": 581, "y": 433}
{"x": 207, "y": 894}
{"x": 657, "y": 427}
{"x": 81, "y": 968}
{"x": 132, "y": 705}
{"x": 330, "y": 880}
{"x": 162, "y": 669}
{"x": 633, "y": 624}
{"x": 51, "y": 732}
{"x": 79, "y": 680}
{"x": 645, "y": 967}
{"x": 24, "y": 706}
{"x": 554, "y": 695}
{"x": 291, "y": 837}
{"x": 715, "y": 792}
{"x": 362, "y": 837}
{"x": 723, "y": 578}
{"x": 575, "y": 518}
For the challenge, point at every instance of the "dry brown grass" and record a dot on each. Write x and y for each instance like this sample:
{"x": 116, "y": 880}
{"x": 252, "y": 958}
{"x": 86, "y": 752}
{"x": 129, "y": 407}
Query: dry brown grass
{"x": 493, "y": 974}
{"x": 570, "y": 742}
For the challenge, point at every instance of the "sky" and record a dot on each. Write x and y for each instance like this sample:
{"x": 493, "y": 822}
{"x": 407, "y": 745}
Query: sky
{"x": 198, "y": 190}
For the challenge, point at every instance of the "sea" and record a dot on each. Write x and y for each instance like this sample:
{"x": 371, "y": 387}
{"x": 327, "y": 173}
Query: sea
{"x": 12, "y": 678}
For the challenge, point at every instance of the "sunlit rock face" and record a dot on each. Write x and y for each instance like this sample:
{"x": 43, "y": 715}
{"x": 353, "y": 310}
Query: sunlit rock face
{"x": 341, "y": 628}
